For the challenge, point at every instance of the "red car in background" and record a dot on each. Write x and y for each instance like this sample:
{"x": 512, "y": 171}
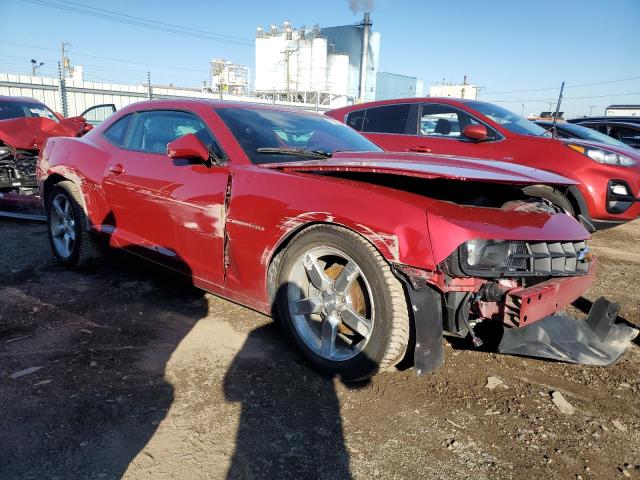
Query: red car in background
{"x": 353, "y": 249}
{"x": 608, "y": 182}
{"x": 25, "y": 124}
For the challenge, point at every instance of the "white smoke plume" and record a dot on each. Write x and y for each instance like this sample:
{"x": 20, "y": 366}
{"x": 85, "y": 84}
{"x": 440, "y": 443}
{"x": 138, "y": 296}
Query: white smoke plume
{"x": 361, "y": 5}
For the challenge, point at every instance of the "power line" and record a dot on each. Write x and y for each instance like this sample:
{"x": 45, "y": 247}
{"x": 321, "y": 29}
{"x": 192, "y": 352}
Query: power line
{"x": 566, "y": 98}
{"x": 141, "y": 22}
{"x": 567, "y": 86}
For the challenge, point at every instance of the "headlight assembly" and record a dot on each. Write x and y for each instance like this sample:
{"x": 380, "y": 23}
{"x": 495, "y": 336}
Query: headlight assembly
{"x": 495, "y": 255}
{"x": 601, "y": 155}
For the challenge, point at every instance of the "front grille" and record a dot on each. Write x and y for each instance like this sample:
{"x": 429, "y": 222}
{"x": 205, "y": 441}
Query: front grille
{"x": 555, "y": 258}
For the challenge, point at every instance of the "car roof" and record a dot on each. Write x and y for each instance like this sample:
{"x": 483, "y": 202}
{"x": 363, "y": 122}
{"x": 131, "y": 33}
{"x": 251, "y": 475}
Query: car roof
{"x": 177, "y": 103}
{"x": 7, "y": 98}
{"x": 396, "y": 101}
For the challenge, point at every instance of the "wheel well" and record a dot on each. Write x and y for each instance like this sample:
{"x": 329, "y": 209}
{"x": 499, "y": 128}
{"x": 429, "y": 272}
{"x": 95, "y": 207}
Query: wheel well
{"x": 281, "y": 247}
{"x": 48, "y": 185}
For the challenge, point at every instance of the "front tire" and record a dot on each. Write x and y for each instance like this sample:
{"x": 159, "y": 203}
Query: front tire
{"x": 340, "y": 303}
{"x": 551, "y": 194}
{"x": 69, "y": 237}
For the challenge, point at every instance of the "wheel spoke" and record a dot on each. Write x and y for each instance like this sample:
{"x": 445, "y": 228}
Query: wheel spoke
{"x": 356, "y": 322}
{"x": 348, "y": 274}
{"x": 72, "y": 234}
{"x": 306, "y": 306}
{"x": 67, "y": 215}
{"x": 58, "y": 230}
{"x": 58, "y": 208}
{"x": 67, "y": 242}
{"x": 329, "y": 333}
{"x": 316, "y": 273}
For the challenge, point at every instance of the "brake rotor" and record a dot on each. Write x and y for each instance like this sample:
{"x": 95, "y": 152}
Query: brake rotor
{"x": 355, "y": 293}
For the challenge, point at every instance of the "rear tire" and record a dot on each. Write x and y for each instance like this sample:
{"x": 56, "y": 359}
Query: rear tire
{"x": 67, "y": 225}
{"x": 349, "y": 325}
{"x": 554, "y": 196}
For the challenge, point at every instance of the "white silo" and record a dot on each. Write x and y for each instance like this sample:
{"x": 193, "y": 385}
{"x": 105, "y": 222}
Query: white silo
{"x": 318, "y": 64}
{"x": 304, "y": 64}
{"x": 338, "y": 73}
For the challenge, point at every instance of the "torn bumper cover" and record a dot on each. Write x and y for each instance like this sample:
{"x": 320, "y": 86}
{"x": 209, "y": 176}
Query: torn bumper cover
{"x": 594, "y": 341}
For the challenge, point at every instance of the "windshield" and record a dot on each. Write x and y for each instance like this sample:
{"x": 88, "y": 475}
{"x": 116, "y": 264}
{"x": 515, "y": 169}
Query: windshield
{"x": 11, "y": 110}
{"x": 268, "y": 136}
{"x": 507, "y": 119}
{"x": 585, "y": 133}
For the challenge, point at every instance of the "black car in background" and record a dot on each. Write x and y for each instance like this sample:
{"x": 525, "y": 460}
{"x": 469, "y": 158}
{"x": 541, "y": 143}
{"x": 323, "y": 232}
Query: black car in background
{"x": 623, "y": 129}
{"x": 571, "y": 130}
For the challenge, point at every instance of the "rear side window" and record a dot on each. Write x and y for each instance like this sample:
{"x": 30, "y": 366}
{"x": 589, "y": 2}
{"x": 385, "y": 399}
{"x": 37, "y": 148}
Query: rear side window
{"x": 356, "y": 119}
{"x": 117, "y": 132}
{"x": 387, "y": 119}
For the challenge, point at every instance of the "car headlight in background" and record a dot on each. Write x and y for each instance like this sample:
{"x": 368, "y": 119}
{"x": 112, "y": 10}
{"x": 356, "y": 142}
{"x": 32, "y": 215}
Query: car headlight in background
{"x": 601, "y": 155}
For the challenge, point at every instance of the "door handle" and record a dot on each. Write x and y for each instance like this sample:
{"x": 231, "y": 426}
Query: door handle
{"x": 420, "y": 149}
{"x": 117, "y": 169}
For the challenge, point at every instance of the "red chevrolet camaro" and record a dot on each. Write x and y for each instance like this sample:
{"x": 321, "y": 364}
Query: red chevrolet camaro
{"x": 296, "y": 215}
{"x": 607, "y": 189}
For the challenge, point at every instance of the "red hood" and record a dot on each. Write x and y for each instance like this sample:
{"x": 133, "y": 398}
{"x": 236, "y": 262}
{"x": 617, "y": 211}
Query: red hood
{"x": 426, "y": 166}
{"x": 29, "y": 133}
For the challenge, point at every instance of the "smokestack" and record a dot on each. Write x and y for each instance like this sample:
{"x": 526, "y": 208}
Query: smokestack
{"x": 366, "y": 26}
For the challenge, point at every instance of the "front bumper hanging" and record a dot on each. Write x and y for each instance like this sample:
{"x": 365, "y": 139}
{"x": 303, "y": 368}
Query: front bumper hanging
{"x": 598, "y": 340}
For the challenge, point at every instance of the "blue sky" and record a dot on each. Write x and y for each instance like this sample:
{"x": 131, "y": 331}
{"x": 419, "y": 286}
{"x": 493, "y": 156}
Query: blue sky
{"x": 503, "y": 46}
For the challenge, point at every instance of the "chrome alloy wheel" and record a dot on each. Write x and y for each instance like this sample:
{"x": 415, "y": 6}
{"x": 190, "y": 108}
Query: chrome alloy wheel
{"x": 62, "y": 225}
{"x": 330, "y": 303}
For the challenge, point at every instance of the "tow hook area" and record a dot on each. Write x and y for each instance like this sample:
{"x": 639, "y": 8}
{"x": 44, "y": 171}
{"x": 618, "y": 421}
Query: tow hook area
{"x": 598, "y": 340}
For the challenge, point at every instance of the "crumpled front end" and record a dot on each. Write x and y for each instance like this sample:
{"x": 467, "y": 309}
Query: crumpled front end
{"x": 506, "y": 293}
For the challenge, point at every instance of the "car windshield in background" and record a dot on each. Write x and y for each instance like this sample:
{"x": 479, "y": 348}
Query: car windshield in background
{"x": 269, "y": 136}
{"x": 507, "y": 119}
{"x": 12, "y": 110}
{"x": 589, "y": 134}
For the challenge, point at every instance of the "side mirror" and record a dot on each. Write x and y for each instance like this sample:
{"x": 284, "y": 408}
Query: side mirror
{"x": 477, "y": 133}
{"x": 188, "y": 146}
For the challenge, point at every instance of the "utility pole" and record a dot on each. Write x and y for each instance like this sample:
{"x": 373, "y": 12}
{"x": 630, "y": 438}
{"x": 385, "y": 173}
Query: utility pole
{"x": 149, "y": 94}
{"x": 63, "y": 91}
{"x": 287, "y": 55}
{"x": 522, "y": 110}
{"x": 591, "y": 107}
{"x": 64, "y": 60}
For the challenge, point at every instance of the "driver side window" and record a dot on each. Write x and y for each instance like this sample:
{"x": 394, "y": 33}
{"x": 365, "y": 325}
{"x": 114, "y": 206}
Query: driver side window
{"x": 443, "y": 121}
{"x": 151, "y": 131}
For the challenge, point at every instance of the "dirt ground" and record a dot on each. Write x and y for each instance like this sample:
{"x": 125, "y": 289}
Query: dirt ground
{"x": 136, "y": 374}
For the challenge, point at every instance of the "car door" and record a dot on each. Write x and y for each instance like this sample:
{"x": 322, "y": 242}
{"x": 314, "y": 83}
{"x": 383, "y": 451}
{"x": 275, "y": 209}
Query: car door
{"x": 165, "y": 209}
{"x": 439, "y": 131}
{"x": 98, "y": 113}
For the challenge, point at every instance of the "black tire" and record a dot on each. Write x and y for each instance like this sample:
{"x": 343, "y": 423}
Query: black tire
{"x": 554, "y": 196}
{"x": 85, "y": 250}
{"x": 387, "y": 343}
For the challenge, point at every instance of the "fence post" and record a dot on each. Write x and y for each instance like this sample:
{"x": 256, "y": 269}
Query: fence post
{"x": 62, "y": 88}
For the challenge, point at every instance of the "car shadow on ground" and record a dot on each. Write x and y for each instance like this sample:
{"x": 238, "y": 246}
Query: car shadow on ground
{"x": 104, "y": 338}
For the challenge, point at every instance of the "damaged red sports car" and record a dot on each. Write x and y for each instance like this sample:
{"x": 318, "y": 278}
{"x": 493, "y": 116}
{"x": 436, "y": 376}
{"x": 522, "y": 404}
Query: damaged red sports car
{"x": 354, "y": 250}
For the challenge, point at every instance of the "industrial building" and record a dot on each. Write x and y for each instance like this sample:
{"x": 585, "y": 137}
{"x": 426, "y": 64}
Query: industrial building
{"x": 393, "y": 85}
{"x": 335, "y": 65}
{"x": 463, "y": 90}
{"x": 227, "y": 77}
